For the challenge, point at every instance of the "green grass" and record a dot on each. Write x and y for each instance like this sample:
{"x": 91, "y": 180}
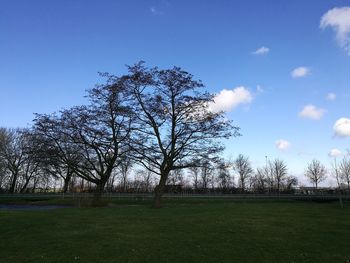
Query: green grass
{"x": 182, "y": 231}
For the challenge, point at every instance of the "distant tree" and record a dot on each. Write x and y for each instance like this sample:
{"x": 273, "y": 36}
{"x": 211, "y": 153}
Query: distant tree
{"x": 176, "y": 129}
{"x": 336, "y": 173}
{"x": 344, "y": 170}
{"x": 125, "y": 167}
{"x": 12, "y": 155}
{"x": 206, "y": 174}
{"x": 3, "y": 171}
{"x": 259, "y": 180}
{"x": 291, "y": 182}
{"x": 176, "y": 177}
{"x": 147, "y": 179}
{"x": 223, "y": 175}
{"x": 316, "y": 172}
{"x": 279, "y": 170}
{"x": 195, "y": 174}
{"x": 31, "y": 165}
{"x": 243, "y": 168}
{"x": 16, "y": 158}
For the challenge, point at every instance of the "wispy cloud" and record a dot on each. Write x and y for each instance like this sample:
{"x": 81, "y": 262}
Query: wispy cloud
{"x": 227, "y": 100}
{"x": 259, "y": 89}
{"x": 156, "y": 11}
{"x": 283, "y": 145}
{"x": 331, "y": 96}
{"x": 300, "y": 72}
{"x": 312, "y": 112}
{"x": 334, "y": 153}
{"x": 339, "y": 20}
{"x": 261, "y": 51}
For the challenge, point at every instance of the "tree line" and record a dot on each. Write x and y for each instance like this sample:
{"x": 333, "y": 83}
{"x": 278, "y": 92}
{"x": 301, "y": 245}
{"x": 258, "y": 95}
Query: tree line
{"x": 155, "y": 124}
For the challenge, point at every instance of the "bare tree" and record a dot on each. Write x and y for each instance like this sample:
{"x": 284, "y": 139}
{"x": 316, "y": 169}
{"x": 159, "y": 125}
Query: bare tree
{"x": 3, "y": 170}
{"x": 53, "y": 149}
{"x": 259, "y": 180}
{"x": 344, "y": 170}
{"x": 98, "y": 131}
{"x": 279, "y": 172}
{"x": 176, "y": 129}
{"x": 195, "y": 173}
{"x": 176, "y": 177}
{"x": 223, "y": 177}
{"x": 12, "y": 155}
{"x": 316, "y": 172}
{"x": 206, "y": 175}
{"x": 243, "y": 168}
{"x": 31, "y": 165}
{"x": 125, "y": 167}
{"x": 291, "y": 182}
{"x": 17, "y": 159}
{"x": 147, "y": 179}
{"x": 336, "y": 173}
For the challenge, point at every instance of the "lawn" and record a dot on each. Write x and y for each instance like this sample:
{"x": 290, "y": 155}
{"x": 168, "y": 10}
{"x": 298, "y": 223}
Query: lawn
{"x": 181, "y": 231}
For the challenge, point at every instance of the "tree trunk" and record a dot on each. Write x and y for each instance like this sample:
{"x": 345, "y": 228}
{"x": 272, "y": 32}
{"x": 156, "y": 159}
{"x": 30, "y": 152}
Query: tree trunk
{"x": 242, "y": 185}
{"x": 98, "y": 193}
{"x": 24, "y": 188}
{"x": 13, "y": 183}
{"x": 66, "y": 182}
{"x": 124, "y": 183}
{"x": 159, "y": 190}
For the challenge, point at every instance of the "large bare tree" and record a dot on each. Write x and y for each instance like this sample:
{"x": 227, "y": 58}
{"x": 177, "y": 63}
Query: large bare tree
{"x": 175, "y": 129}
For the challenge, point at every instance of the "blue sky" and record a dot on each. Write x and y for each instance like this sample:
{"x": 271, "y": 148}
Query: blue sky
{"x": 51, "y": 51}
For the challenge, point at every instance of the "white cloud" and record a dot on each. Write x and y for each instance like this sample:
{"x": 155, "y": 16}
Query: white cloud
{"x": 261, "y": 51}
{"x": 227, "y": 100}
{"x": 300, "y": 72}
{"x": 331, "y": 96}
{"x": 339, "y": 20}
{"x": 283, "y": 145}
{"x": 335, "y": 153}
{"x": 341, "y": 127}
{"x": 312, "y": 112}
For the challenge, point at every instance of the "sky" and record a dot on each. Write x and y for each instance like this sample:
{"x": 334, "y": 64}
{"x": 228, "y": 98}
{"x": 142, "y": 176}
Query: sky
{"x": 280, "y": 69}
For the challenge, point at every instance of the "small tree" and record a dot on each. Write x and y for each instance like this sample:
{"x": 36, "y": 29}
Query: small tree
{"x": 125, "y": 167}
{"x": 344, "y": 170}
{"x": 206, "y": 175}
{"x": 223, "y": 175}
{"x": 279, "y": 170}
{"x": 195, "y": 173}
{"x": 316, "y": 172}
{"x": 259, "y": 180}
{"x": 291, "y": 182}
{"x": 243, "y": 168}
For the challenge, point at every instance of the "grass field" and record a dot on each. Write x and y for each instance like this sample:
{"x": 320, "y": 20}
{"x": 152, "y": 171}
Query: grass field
{"x": 182, "y": 231}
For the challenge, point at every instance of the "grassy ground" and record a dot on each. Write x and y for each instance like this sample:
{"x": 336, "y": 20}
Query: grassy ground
{"x": 182, "y": 231}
